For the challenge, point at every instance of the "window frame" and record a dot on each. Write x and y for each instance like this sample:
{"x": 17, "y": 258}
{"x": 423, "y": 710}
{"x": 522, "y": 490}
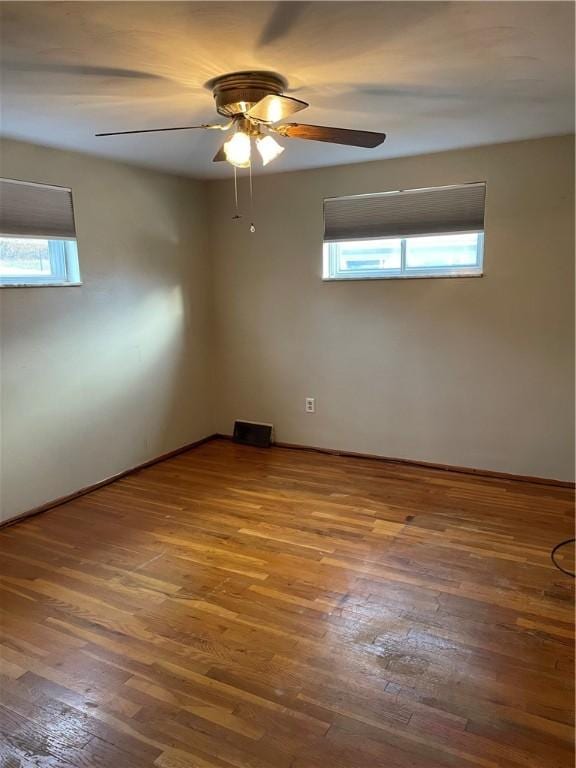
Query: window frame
{"x": 331, "y": 273}
{"x": 64, "y": 266}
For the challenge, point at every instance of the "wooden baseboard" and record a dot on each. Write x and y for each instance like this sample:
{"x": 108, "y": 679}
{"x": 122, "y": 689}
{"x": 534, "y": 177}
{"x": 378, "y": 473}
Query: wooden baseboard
{"x": 489, "y": 473}
{"x": 83, "y": 491}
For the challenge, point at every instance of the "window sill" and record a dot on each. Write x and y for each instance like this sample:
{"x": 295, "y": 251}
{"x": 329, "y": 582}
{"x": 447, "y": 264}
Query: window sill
{"x": 399, "y": 277}
{"x": 40, "y": 285}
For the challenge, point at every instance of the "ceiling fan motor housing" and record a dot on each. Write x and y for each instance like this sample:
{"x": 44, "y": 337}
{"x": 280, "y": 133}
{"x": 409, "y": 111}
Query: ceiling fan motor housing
{"x": 237, "y": 92}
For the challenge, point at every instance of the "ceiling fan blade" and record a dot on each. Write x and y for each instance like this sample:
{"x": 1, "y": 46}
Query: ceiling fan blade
{"x": 368, "y": 139}
{"x": 158, "y": 130}
{"x": 272, "y": 108}
{"x": 220, "y": 155}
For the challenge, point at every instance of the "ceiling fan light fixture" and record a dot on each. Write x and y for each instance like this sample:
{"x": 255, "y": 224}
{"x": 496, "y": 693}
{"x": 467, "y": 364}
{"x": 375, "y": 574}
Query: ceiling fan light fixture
{"x": 254, "y": 103}
{"x": 238, "y": 149}
{"x": 268, "y": 148}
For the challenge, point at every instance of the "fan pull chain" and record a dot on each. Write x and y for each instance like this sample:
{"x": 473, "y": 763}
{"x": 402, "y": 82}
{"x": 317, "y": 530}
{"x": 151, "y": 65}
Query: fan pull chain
{"x": 236, "y": 215}
{"x": 252, "y": 227}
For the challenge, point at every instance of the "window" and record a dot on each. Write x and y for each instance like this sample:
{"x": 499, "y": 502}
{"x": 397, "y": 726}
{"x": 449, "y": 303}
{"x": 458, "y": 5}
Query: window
{"x": 37, "y": 235}
{"x": 416, "y": 256}
{"x": 35, "y": 261}
{"x": 437, "y": 232}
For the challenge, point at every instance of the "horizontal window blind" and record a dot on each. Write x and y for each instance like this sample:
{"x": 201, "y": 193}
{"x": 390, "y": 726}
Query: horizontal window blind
{"x": 400, "y": 214}
{"x": 36, "y": 210}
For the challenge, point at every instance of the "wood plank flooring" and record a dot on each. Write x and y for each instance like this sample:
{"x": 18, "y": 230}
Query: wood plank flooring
{"x": 243, "y": 608}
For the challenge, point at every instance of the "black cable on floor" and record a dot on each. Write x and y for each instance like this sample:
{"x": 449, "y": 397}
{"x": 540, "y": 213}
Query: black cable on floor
{"x": 556, "y": 548}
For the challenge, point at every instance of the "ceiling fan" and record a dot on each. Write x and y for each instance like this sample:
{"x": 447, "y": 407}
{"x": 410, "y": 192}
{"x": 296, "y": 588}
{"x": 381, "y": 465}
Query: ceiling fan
{"x": 256, "y": 106}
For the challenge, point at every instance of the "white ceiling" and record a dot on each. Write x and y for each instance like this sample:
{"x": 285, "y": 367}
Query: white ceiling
{"x": 432, "y": 75}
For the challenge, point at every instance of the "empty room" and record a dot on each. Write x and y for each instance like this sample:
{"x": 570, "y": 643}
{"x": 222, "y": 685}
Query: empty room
{"x": 287, "y": 402}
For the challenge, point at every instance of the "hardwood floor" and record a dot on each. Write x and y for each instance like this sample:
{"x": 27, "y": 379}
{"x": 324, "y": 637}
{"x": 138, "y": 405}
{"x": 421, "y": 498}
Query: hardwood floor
{"x": 243, "y": 608}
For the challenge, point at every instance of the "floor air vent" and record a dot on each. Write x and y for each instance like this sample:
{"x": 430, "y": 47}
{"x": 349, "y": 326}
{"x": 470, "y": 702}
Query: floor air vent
{"x": 253, "y": 433}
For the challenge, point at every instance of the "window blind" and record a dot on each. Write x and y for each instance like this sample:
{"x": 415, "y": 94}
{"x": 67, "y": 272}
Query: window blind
{"x": 400, "y": 214}
{"x": 36, "y": 210}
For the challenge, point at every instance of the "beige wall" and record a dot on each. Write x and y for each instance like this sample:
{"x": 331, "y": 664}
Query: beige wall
{"x": 100, "y": 378}
{"x": 475, "y": 372}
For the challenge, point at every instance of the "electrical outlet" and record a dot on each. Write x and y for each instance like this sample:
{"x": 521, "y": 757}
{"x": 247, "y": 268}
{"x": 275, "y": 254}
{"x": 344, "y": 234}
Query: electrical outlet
{"x": 310, "y": 406}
